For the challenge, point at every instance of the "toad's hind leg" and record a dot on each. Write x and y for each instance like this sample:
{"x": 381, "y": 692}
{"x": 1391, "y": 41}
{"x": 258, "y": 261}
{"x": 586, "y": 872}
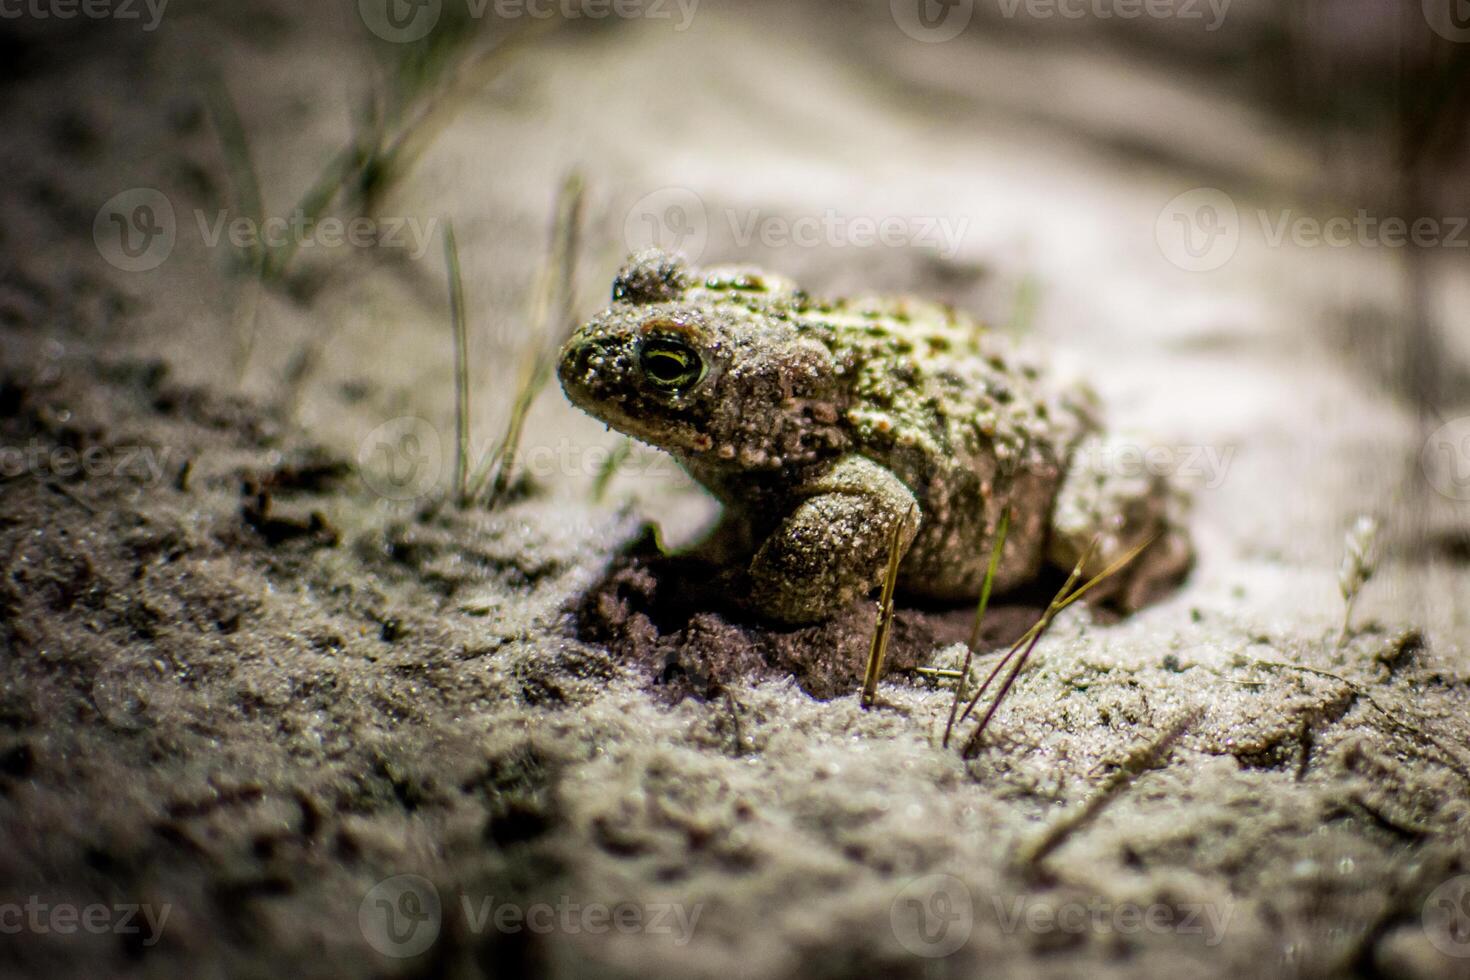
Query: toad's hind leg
{"x": 1110, "y": 495}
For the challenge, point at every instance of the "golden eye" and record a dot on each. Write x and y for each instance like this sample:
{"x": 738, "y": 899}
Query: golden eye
{"x": 670, "y": 364}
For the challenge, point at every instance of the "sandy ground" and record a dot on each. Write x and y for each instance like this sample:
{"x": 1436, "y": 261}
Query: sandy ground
{"x": 256, "y": 688}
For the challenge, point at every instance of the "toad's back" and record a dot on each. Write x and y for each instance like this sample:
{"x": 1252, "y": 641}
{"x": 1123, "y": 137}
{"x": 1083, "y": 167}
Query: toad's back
{"x": 968, "y": 423}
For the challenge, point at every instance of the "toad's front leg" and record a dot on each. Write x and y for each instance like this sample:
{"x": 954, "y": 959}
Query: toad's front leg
{"x": 833, "y": 547}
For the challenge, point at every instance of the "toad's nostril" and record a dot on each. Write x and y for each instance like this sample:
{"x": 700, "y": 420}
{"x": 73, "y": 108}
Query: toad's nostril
{"x": 573, "y": 366}
{"x": 586, "y": 367}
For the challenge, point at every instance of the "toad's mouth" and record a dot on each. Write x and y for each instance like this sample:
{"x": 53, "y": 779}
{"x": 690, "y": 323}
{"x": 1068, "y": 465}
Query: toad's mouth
{"x": 631, "y": 415}
{"x": 670, "y": 435}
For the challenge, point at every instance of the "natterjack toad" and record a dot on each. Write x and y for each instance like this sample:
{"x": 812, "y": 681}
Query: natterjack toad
{"x": 820, "y": 425}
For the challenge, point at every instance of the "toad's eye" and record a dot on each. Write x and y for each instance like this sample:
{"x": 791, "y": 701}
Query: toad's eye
{"x": 669, "y": 363}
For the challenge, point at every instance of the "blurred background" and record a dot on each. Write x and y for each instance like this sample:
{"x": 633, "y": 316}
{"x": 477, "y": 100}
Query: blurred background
{"x": 1245, "y": 222}
{"x": 1243, "y": 218}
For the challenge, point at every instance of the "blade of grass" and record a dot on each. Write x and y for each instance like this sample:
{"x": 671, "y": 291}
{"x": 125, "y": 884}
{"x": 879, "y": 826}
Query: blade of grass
{"x": 972, "y": 746}
{"x": 878, "y": 650}
{"x": 339, "y": 172}
{"x": 554, "y": 303}
{"x": 1036, "y": 628}
{"x": 959, "y": 690}
{"x": 235, "y": 145}
{"x": 1023, "y": 311}
{"x": 460, "y": 322}
{"x": 609, "y": 469}
{"x": 248, "y": 202}
{"x": 458, "y": 81}
{"x": 379, "y": 151}
{"x": 1107, "y": 573}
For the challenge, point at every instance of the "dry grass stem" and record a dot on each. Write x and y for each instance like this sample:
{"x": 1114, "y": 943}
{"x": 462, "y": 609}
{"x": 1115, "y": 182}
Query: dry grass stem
{"x": 551, "y": 315}
{"x": 974, "y": 644}
{"x": 1064, "y": 598}
{"x": 460, "y": 322}
{"x": 878, "y": 650}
